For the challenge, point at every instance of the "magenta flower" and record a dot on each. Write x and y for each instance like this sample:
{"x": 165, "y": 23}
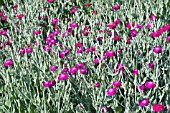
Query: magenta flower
{"x": 63, "y": 76}
{"x": 37, "y": 32}
{"x": 135, "y": 71}
{"x": 111, "y": 91}
{"x": 80, "y": 50}
{"x": 49, "y": 84}
{"x": 62, "y": 54}
{"x": 2, "y": 13}
{"x": 110, "y": 54}
{"x": 55, "y": 20}
{"x": 152, "y": 17}
{"x": 88, "y": 5}
{"x": 22, "y": 51}
{"x": 150, "y": 84}
{"x": 8, "y": 63}
{"x": 4, "y": 18}
{"x": 46, "y": 47}
{"x": 119, "y": 51}
{"x": 94, "y": 12}
{"x": 121, "y": 67}
{"x": 151, "y": 65}
{"x": 156, "y": 34}
{"x": 117, "y": 21}
{"x": 117, "y": 83}
{"x": 73, "y": 25}
{"x": 83, "y": 71}
{"x": 73, "y": 70}
{"x": 116, "y": 7}
{"x": 80, "y": 65}
{"x": 65, "y": 69}
{"x": 139, "y": 26}
{"x": 158, "y": 107}
{"x": 45, "y": 83}
{"x": 50, "y": 1}
{"x": 20, "y": 16}
{"x": 97, "y": 84}
{"x": 53, "y": 68}
{"x": 96, "y": 60}
{"x": 141, "y": 87}
{"x": 149, "y": 25}
{"x": 133, "y": 33}
{"x": 73, "y": 10}
{"x": 128, "y": 25}
{"x": 168, "y": 38}
{"x": 144, "y": 102}
{"x": 29, "y": 50}
{"x": 112, "y": 25}
{"x": 78, "y": 44}
{"x": 157, "y": 49}
{"x": 88, "y": 50}
{"x": 117, "y": 38}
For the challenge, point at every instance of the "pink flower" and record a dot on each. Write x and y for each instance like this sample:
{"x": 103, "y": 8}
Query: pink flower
{"x": 121, "y": 67}
{"x": 117, "y": 83}
{"x": 55, "y": 20}
{"x": 141, "y": 87}
{"x": 117, "y": 38}
{"x": 168, "y": 38}
{"x": 65, "y": 69}
{"x": 50, "y": 1}
{"x": 116, "y": 7}
{"x": 73, "y": 25}
{"x": 22, "y": 51}
{"x": 144, "y": 102}
{"x": 152, "y": 17}
{"x": 49, "y": 84}
{"x": 150, "y": 84}
{"x": 37, "y": 32}
{"x": 63, "y": 76}
{"x": 151, "y": 65}
{"x": 112, "y": 26}
{"x": 62, "y": 54}
{"x": 157, "y": 49}
{"x": 110, "y": 54}
{"x": 29, "y": 50}
{"x": 96, "y": 60}
{"x": 135, "y": 71}
{"x": 128, "y": 25}
{"x": 2, "y": 13}
{"x": 83, "y": 71}
{"x": 97, "y": 84}
{"x": 78, "y": 44}
{"x": 139, "y": 26}
{"x": 111, "y": 91}
{"x": 20, "y": 16}
{"x": 133, "y": 33}
{"x": 88, "y": 5}
{"x": 80, "y": 65}
{"x": 53, "y": 68}
{"x": 158, "y": 107}
{"x": 15, "y": 6}
{"x": 4, "y": 18}
{"x": 80, "y": 50}
{"x": 149, "y": 25}
{"x": 46, "y": 47}
{"x": 73, "y": 70}
{"x": 8, "y": 63}
{"x": 119, "y": 51}
{"x": 94, "y": 12}
{"x": 156, "y": 34}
